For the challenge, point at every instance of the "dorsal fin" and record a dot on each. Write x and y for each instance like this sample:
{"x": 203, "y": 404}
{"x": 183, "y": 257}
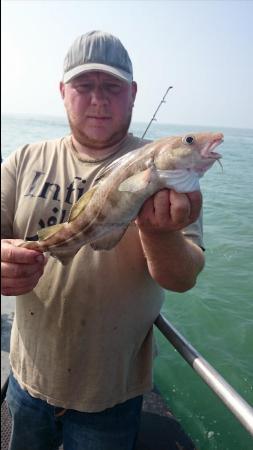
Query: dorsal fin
{"x": 81, "y": 204}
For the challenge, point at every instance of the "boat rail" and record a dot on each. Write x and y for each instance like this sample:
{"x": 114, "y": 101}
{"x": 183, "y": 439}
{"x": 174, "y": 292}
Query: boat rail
{"x": 234, "y": 402}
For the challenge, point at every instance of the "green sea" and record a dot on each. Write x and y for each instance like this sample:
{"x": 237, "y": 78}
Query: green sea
{"x": 216, "y": 316}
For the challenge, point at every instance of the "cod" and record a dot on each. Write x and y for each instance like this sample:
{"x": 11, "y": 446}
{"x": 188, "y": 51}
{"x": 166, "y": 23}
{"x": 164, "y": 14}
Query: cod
{"x": 102, "y": 215}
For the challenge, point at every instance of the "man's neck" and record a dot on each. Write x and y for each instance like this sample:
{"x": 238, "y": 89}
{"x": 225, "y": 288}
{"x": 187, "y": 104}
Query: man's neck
{"x": 95, "y": 154}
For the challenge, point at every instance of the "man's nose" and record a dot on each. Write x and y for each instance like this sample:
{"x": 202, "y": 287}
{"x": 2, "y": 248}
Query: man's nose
{"x": 98, "y": 96}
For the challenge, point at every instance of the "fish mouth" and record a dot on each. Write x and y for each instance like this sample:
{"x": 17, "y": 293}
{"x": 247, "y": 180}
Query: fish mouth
{"x": 208, "y": 150}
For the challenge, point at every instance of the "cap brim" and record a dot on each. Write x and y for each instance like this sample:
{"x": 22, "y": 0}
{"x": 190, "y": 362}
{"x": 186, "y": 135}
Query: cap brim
{"x": 90, "y": 67}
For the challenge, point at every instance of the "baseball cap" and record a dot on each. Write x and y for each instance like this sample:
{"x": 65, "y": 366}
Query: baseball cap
{"x": 97, "y": 50}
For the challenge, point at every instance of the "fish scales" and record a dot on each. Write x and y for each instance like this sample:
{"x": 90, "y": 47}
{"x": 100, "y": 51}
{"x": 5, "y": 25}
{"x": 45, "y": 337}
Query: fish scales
{"x": 101, "y": 216}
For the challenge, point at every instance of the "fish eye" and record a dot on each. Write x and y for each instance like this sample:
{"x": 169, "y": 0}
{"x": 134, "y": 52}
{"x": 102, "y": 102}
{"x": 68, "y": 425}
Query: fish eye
{"x": 188, "y": 140}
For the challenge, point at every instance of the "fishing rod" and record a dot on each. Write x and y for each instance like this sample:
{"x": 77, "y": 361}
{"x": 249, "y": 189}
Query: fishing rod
{"x": 153, "y": 118}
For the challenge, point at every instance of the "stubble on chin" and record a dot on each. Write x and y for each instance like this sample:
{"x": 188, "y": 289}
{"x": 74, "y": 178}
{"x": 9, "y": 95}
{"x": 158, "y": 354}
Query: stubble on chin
{"x": 94, "y": 143}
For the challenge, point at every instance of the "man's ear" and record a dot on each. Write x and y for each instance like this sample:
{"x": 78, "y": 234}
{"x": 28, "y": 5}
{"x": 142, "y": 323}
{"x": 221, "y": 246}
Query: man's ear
{"x": 62, "y": 89}
{"x": 134, "y": 90}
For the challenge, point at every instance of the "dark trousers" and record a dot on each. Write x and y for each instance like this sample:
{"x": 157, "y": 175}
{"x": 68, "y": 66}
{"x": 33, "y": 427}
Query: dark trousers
{"x": 36, "y": 425}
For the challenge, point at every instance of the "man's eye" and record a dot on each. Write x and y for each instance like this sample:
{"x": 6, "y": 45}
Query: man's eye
{"x": 85, "y": 87}
{"x": 113, "y": 88}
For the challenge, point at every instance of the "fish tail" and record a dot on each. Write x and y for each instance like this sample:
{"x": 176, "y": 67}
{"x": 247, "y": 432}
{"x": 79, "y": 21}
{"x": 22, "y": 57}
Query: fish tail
{"x": 32, "y": 245}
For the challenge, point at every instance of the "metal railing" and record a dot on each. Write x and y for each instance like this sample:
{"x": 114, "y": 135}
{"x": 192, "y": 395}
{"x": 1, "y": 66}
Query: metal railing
{"x": 234, "y": 402}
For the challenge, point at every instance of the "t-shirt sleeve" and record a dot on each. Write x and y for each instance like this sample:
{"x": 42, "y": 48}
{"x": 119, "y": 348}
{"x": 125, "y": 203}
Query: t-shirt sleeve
{"x": 8, "y": 195}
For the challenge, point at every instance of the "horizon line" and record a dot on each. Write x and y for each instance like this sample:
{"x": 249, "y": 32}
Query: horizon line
{"x": 156, "y": 123}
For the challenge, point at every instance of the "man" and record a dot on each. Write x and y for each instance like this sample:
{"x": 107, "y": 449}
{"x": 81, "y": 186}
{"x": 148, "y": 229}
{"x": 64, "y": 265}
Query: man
{"x": 81, "y": 345}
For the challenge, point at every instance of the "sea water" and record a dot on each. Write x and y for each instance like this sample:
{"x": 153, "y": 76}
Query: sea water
{"x": 216, "y": 316}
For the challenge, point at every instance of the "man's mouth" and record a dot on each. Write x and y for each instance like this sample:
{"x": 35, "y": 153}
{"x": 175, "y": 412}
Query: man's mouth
{"x": 99, "y": 117}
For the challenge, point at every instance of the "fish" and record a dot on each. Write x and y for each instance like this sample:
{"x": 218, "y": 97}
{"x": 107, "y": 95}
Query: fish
{"x": 103, "y": 213}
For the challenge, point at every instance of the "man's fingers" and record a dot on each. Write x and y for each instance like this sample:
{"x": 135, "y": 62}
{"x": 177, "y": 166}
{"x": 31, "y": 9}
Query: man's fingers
{"x": 20, "y": 283}
{"x": 170, "y": 210}
{"x": 180, "y": 207}
{"x": 162, "y": 206}
{"x": 20, "y": 270}
{"x": 147, "y": 211}
{"x": 11, "y": 253}
{"x": 185, "y": 207}
{"x": 195, "y": 199}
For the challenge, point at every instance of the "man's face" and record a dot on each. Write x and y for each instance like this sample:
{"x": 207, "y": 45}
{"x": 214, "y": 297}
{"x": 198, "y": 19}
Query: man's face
{"x": 99, "y": 108}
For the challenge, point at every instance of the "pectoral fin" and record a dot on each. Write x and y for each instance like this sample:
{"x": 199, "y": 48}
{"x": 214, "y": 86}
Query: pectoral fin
{"x": 81, "y": 204}
{"x": 109, "y": 241}
{"x": 136, "y": 182}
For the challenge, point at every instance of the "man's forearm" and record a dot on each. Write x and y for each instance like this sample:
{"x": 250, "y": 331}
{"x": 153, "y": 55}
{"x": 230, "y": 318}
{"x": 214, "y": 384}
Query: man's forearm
{"x": 174, "y": 261}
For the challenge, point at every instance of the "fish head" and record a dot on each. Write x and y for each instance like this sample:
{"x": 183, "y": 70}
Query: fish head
{"x": 193, "y": 151}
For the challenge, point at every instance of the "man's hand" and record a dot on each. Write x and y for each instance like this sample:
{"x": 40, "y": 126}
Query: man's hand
{"x": 169, "y": 211}
{"x": 21, "y": 268}
{"x": 173, "y": 261}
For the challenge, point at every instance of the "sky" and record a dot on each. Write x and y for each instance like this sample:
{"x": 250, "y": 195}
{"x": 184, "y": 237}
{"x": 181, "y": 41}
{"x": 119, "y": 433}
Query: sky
{"x": 202, "y": 48}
